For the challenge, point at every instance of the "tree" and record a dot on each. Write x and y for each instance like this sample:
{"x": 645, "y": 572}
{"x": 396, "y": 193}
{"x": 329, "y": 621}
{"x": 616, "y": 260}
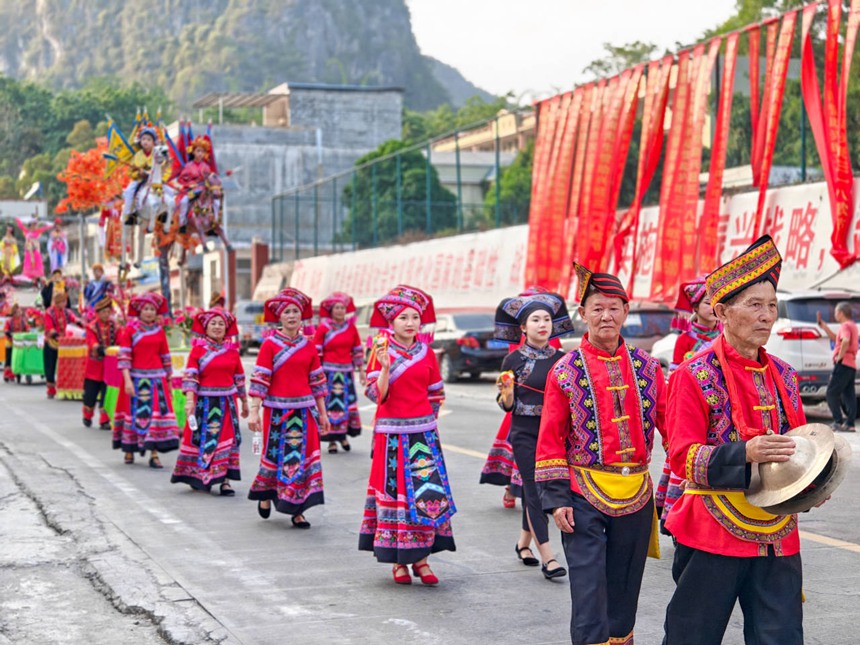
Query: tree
{"x": 515, "y": 190}
{"x": 86, "y": 184}
{"x": 619, "y": 58}
{"x": 420, "y": 126}
{"x": 376, "y": 187}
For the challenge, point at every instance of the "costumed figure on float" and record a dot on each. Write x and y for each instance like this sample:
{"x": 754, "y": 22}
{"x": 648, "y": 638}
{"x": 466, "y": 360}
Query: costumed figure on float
{"x": 339, "y": 346}
{"x": 200, "y": 196}
{"x": 34, "y": 267}
{"x": 289, "y": 384}
{"x": 214, "y": 380}
{"x": 146, "y": 197}
{"x": 144, "y": 418}
{"x": 10, "y": 261}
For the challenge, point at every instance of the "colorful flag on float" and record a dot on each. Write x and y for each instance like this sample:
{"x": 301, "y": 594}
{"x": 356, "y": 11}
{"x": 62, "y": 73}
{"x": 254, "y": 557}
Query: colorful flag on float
{"x": 177, "y": 160}
{"x": 181, "y": 147}
{"x": 136, "y": 127}
{"x": 212, "y": 163}
{"x": 119, "y": 150}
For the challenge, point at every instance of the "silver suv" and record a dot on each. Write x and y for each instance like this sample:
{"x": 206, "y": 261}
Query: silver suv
{"x": 797, "y": 339}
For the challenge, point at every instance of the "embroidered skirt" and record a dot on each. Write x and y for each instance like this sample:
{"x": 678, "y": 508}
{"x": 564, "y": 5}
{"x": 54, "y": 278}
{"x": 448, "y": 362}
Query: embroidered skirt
{"x": 290, "y": 469}
{"x": 409, "y": 503}
{"x": 145, "y": 421}
{"x": 341, "y": 403}
{"x": 210, "y": 455}
{"x": 500, "y": 469}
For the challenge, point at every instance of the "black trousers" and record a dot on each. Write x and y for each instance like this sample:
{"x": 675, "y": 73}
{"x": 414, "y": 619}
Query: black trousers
{"x": 94, "y": 392}
{"x": 768, "y": 588}
{"x": 841, "y": 396}
{"x": 606, "y": 560}
{"x": 49, "y": 361}
{"x": 523, "y": 438}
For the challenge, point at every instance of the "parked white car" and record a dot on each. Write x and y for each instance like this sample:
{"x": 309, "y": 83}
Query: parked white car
{"x": 796, "y": 337}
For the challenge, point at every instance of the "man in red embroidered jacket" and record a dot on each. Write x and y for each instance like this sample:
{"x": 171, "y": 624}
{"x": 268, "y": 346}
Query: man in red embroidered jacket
{"x": 724, "y": 403}
{"x": 602, "y": 404}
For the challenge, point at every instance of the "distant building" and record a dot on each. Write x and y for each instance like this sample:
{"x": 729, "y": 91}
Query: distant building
{"x": 514, "y": 129}
{"x": 477, "y": 172}
{"x": 10, "y": 209}
{"x": 307, "y": 131}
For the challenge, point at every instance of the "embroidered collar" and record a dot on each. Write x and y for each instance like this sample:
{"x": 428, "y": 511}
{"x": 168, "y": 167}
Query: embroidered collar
{"x": 596, "y": 351}
{"x": 531, "y": 352}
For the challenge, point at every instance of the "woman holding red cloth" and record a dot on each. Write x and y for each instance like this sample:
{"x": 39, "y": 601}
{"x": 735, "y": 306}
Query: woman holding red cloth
{"x": 339, "y": 347}
{"x": 289, "y": 384}
{"x": 103, "y": 332}
{"x": 214, "y": 378}
{"x": 500, "y": 469}
{"x": 409, "y": 503}
{"x": 144, "y": 418}
{"x": 15, "y": 323}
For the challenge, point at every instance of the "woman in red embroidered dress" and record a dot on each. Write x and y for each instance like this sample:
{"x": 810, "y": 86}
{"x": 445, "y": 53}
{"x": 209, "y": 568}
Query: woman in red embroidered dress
{"x": 339, "y": 347}
{"x": 144, "y": 418}
{"x": 214, "y": 378}
{"x": 409, "y": 505}
{"x": 287, "y": 381}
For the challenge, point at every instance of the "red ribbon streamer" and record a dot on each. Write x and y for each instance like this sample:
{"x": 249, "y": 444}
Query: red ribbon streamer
{"x": 708, "y": 249}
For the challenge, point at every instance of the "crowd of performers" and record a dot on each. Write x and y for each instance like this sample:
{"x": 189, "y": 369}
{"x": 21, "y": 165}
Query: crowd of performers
{"x": 576, "y": 443}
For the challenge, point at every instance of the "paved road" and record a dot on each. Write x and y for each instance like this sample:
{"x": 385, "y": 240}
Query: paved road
{"x": 121, "y": 555}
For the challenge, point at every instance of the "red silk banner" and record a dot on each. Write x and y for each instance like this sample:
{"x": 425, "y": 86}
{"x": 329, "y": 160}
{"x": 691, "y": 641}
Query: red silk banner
{"x": 671, "y": 203}
{"x": 773, "y": 96}
{"x": 616, "y": 130}
{"x": 758, "y": 134}
{"x": 551, "y": 191}
{"x": 754, "y": 44}
{"x": 650, "y": 146}
{"x": 597, "y": 172}
{"x": 552, "y": 243}
{"x": 694, "y": 139}
{"x": 576, "y": 184}
{"x": 708, "y": 249}
{"x": 547, "y": 116}
{"x": 828, "y": 122}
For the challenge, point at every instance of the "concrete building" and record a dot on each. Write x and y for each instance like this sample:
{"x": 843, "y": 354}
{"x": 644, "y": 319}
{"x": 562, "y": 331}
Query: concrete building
{"x": 477, "y": 172}
{"x": 308, "y": 131}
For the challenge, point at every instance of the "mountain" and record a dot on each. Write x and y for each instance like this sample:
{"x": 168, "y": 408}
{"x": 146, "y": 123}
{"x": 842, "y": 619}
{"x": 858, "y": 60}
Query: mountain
{"x": 459, "y": 88}
{"x": 191, "y": 47}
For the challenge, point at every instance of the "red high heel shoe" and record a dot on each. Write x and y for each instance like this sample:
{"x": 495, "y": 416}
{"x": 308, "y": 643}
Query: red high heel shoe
{"x": 508, "y": 500}
{"x": 428, "y": 578}
{"x": 401, "y": 578}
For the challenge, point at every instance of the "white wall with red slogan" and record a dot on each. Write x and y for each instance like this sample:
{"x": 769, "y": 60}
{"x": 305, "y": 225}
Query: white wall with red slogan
{"x": 479, "y": 269}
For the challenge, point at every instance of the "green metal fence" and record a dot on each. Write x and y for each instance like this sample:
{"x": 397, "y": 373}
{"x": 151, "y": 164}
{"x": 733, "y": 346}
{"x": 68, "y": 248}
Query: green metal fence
{"x": 403, "y": 196}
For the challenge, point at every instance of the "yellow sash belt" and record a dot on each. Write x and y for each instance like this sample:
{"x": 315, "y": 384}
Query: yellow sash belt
{"x": 736, "y": 509}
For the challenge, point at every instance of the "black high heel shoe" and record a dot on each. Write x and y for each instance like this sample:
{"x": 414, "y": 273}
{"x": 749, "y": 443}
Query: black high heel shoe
{"x": 528, "y": 560}
{"x": 264, "y": 512}
{"x": 557, "y": 572}
{"x": 300, "y": 524}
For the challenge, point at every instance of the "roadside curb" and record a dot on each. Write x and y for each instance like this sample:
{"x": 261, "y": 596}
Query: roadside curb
{"x": 112, "y": 563}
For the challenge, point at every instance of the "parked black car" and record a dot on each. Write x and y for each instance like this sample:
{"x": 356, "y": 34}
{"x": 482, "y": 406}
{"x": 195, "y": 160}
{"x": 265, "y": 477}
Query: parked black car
{"x": 464, "y": 343}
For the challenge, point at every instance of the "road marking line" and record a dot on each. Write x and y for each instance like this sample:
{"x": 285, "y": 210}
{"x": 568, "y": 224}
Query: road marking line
{"x": 829, "y": 541}
{"x": 447, "y": 447}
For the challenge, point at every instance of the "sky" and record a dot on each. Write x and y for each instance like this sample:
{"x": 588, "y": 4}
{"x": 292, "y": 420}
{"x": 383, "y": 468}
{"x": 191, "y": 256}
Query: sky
{"x": 537, "y": 48}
